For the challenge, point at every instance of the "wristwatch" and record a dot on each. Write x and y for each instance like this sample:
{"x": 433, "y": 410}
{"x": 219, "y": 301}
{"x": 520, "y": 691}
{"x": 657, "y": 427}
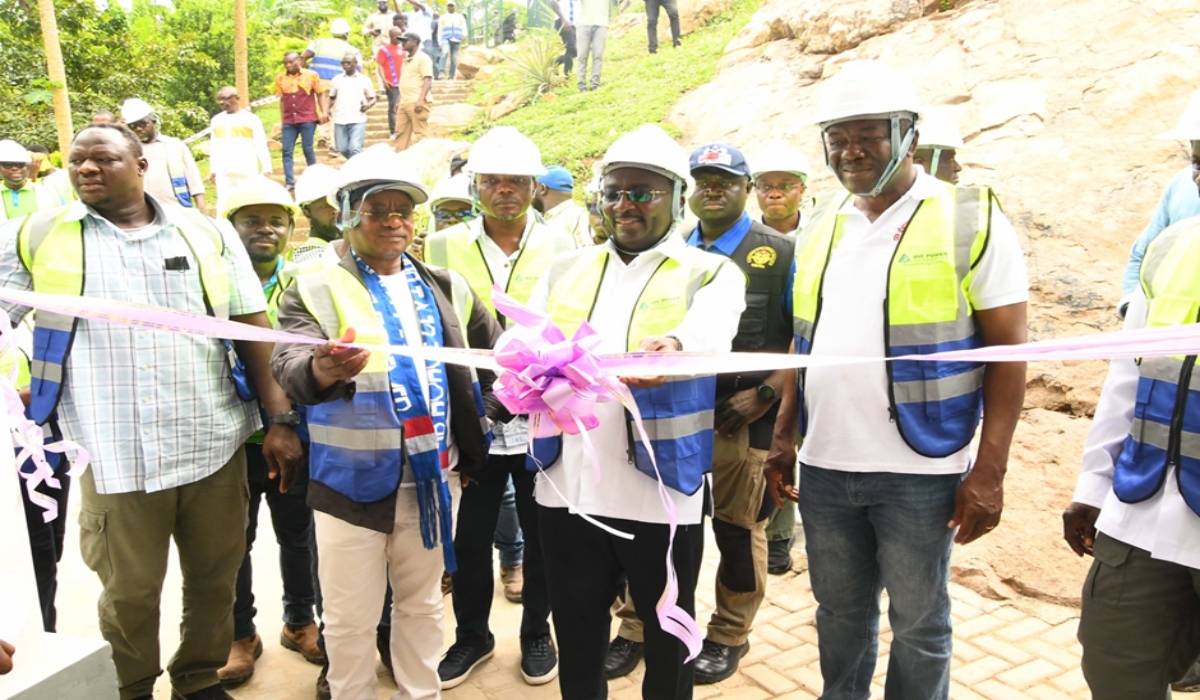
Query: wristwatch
{"x": 677, "y": 342}
{"x": 766, "y": 392}
{"x": 290, "y": 419}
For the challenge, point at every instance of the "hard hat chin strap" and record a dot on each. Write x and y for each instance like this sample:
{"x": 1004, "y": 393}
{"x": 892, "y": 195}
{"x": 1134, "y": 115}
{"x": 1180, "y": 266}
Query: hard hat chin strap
{"x": 900, "y": 146}
{"x": 350, "y": 218}
{"x": 933, "y": 162}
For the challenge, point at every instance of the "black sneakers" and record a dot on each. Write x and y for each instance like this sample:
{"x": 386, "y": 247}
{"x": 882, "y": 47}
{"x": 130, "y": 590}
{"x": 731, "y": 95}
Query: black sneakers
{"x": 718, "y": 661}
{"x": 539, "y": 660}
{"x": 462, "y": 658}
{"x": 622, "y": 657}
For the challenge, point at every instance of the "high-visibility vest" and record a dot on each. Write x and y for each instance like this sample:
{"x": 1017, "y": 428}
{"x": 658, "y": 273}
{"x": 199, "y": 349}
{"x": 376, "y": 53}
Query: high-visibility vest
{"x": 936, "y": 405}
{"x": 177, "y": 169}
{"x": 457, "y": 248}
{"x": 1166, "y": 417}
{"x": 45, "y": 197}
{"x": 51, "y": 248}
{"x": 356, "y": 444}
{"x": 677, "y": 416}
{"x": 327, "y": 57}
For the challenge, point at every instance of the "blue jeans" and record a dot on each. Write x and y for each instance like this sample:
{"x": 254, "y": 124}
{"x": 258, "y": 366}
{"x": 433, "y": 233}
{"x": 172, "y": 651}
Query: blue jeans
{"x": 509, "y": 541}
{"x": 433, "y": 52}
{"x": 305, "y": 131}
{"x": 349, "y": 138}
{"x": 870, "y": 531}
{"x": 449, "y": 63}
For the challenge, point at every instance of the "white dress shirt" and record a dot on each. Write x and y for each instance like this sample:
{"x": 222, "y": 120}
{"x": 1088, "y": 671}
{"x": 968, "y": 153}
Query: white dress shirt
{"x": 1163, "y": 524}
{"x": 709, "y": 325}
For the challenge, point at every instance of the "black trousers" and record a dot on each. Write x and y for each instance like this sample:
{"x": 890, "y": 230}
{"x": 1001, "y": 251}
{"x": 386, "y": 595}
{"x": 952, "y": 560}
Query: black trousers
{"x": 46, "y": 541}
{"x": 671, "y": 8}
{"x": 474, "y": 581}
{"x": 567, "y": 59}
{"x": 584, "y": 567}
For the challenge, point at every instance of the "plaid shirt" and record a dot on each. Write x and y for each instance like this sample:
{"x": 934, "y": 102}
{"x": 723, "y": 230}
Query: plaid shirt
{"x": 155, "y": 409}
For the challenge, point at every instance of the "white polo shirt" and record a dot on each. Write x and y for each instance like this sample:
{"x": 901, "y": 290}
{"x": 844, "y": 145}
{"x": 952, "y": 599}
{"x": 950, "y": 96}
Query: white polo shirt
{"x": 849, "y": 426}
{"x": 709, "y": 325}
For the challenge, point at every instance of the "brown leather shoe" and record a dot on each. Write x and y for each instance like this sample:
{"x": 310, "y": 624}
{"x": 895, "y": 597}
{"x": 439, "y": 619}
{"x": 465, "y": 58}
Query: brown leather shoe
{"x": 303, "y": 640}
{"x": 513, "y": 579}
{"x": 240, "y": 666}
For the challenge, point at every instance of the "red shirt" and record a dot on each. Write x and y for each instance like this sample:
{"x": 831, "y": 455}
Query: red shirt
{"x": 298, "y": 96}
{"x": 390, "y": 59}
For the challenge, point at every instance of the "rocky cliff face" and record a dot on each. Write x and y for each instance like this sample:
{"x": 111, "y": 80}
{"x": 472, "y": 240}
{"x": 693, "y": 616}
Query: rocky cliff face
{"x": 1059, "y": 101}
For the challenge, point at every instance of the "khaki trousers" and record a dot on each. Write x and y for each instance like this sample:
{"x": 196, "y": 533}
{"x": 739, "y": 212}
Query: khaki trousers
{"x": 738, "y": 483}
{"x": 354, "y": 567}
{"x": 411, "y": 125}
{"x": 125, "y": 538}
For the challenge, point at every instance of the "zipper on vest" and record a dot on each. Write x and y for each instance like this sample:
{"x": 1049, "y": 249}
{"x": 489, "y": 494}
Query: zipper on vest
{"x": 893, "y": 413}
{"x": 630, "y": 450}
{"x": 1175, "y": 436}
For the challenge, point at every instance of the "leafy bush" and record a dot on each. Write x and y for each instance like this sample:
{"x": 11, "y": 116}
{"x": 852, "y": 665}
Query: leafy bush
{"x": 530, "y": 71}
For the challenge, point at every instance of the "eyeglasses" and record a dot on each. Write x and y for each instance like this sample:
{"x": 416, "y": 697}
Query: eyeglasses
{"x": 636, "y": 195}
{"x": 444, "y": 215}
{"x": 11, "y": 166}
{"x": 385, "y": 217}
{"x": 782, "y": 188}
{"x": 139, "y": 124}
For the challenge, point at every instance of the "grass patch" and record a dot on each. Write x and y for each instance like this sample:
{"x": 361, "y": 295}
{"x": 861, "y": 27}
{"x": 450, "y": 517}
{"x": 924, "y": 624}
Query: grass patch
{"x": 573, "y": 128}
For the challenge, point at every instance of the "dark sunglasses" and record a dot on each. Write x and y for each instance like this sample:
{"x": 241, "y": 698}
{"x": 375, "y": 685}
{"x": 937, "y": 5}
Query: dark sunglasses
{"x": 637, "y": 195}
{"x": 444, "y": 215}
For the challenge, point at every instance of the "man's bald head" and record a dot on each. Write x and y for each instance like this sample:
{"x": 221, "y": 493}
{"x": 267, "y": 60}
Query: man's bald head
{"x": 395, "y": 34}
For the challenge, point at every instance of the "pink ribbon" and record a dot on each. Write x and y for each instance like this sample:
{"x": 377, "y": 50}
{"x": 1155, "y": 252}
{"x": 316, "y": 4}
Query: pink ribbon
{"x": 27, "y": 436}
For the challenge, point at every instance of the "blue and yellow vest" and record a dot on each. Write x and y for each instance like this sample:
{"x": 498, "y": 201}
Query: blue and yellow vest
{"x": 936, "y": 405}
{"x": 327, "y": 57}
{"x": 357, "y": 444}
{"x": 678, "y": 416}
{"x": 457, "y": 248}
{"x": 51, "y": 248}
{"x": 1166, "y": 416}
{"x": 177, "y": 169}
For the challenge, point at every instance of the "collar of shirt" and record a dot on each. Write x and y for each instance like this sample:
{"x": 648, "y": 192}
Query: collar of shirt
{"x": 15, "y": 194}
{"x": 559, "y": 208}
{"x": 481, "y": 237}
{"x": 77, "y": 210}
{"x": 727, "y": 242}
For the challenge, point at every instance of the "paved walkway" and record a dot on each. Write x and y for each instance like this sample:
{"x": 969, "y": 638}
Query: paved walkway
{"x": 1002, "y": 650}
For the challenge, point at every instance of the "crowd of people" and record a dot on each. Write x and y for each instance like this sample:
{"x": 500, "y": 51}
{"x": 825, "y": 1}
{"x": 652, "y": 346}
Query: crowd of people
{"x": 390, "y": 479}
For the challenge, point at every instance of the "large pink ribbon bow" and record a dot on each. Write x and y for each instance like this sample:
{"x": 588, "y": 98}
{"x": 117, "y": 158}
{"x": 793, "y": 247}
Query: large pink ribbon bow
{"x": 558, "y": 382}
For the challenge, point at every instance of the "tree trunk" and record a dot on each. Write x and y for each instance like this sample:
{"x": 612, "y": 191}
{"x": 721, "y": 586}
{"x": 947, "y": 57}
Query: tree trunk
{"x": 57, "y": 74}
{"x": 241, "y": 71}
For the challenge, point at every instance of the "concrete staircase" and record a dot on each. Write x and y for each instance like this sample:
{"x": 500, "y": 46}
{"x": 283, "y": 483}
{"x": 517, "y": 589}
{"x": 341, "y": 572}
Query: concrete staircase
{"x": 443, "y": 92}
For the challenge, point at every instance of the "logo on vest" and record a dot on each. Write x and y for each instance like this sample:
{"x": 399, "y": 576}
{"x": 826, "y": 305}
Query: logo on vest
{"x": 761, "y": 257}
{"x": 923, "y": 258}
{"x": 658, "y": 304}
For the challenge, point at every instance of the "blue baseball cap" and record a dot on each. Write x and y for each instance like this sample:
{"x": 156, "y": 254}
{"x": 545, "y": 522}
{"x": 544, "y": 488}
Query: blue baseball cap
{"x": 721, "y": 157}
{"x": 558, "y": 178}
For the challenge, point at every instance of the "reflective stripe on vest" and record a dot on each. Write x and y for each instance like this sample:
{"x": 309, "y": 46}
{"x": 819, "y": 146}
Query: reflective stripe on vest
{"x": 936, "y": 405}
{"x": 52, "y": 249}
{"x": 356, "y": 445}
{"x": 327, "y": 57}
{"x": 1166, "y": 425}
{"x": 678, "y": 416}
{"x": 177, "y": 171}
{"x": 458, "y": 249}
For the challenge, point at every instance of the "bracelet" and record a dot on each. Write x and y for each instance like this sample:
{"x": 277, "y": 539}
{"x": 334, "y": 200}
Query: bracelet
{"x": 677, "y": 342}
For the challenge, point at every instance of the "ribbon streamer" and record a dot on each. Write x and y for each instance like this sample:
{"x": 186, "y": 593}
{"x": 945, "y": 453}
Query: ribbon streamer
{"x": 29, "y": 438}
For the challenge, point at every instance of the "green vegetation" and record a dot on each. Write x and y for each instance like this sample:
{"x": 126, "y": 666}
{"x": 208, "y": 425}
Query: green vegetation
{"x": 573, "y": 128}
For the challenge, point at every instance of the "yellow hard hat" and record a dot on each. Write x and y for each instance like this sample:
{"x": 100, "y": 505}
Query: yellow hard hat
{"x": 256, "y": 189}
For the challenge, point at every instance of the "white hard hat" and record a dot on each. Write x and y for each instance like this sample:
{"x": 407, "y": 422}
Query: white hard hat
{"x": 256, "y": 189}
{"x": 13, "y": 152}
{"x": 780, "y": 157}
{"x": 938, "y": 130}
{"x": 339, "y": 26}
{"x": 650, "y": 148}
{"x": 134, "y": 110}
{"x": 1188, "y": 126}
{"x": 318, "y": 181}
{"x": 505, "y": 151}
{"x": 865, "y": 89}
{"x": 457, "y": 188}
{"x": 376, "y": 169}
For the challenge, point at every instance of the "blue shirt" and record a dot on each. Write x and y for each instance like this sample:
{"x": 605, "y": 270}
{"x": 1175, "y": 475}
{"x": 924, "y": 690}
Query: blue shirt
{"x": 729, "y": 241}
{"x": 1180, "y": 201}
